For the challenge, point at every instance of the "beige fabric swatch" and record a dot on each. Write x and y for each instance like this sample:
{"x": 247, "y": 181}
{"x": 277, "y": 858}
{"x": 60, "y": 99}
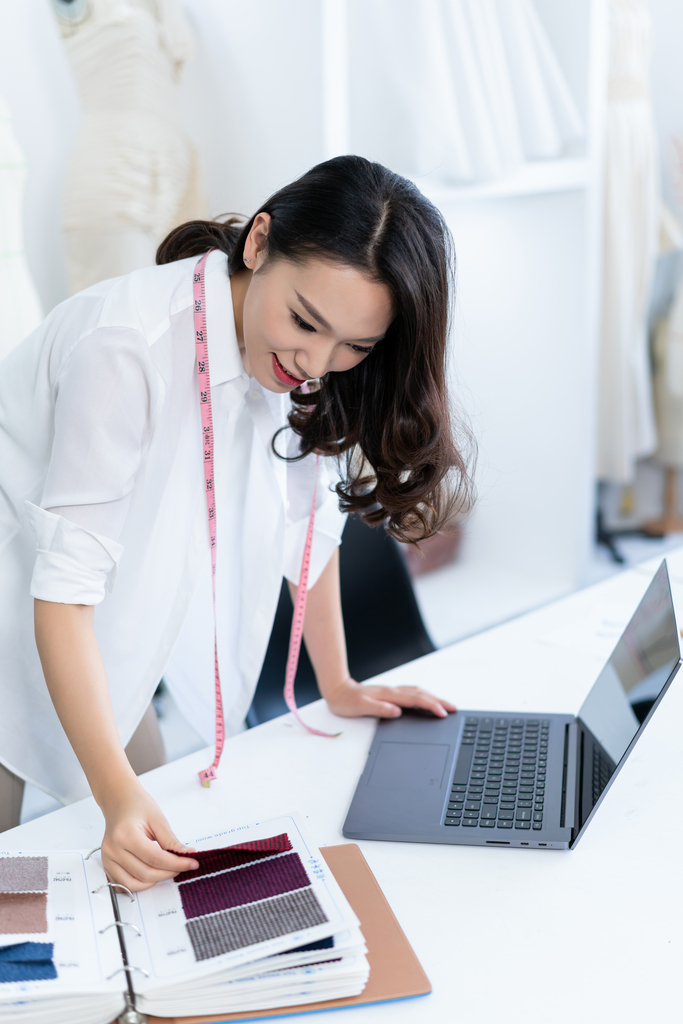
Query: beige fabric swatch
{"x": 23, "y": 912}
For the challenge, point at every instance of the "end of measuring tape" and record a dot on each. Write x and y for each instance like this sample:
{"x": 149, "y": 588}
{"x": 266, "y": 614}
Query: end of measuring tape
{"x": 207, "y": 776}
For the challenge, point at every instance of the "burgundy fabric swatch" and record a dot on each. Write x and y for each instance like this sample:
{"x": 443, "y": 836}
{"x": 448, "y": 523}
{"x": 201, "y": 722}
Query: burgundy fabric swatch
{"x": 23, "y": 912}
{"x": 245, "y": 926}
{"x": 253, "y": 882}
{"x": 230, "y": 856}
{"x": 23, "y": 874}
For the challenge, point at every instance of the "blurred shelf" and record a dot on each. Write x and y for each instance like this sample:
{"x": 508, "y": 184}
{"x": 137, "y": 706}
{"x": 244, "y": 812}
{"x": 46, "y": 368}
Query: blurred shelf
{"x": 532, "y": 179}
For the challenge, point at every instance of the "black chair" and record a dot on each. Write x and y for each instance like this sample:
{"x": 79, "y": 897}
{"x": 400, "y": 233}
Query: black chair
{"x": 382, "y": 621}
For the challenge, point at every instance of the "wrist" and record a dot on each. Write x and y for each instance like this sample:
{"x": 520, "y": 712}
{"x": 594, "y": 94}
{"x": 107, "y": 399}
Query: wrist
{"x": 119, "y": 786}
{"x": 332, "y": 686}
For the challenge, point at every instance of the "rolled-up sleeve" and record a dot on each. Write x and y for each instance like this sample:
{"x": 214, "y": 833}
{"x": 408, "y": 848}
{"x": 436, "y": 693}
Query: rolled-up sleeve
{"x": 73, "y": 565}
{"x": 329, "y": 520}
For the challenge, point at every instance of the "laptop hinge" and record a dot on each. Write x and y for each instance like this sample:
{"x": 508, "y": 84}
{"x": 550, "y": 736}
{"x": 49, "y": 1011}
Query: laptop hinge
{"x": 568, "y": 810}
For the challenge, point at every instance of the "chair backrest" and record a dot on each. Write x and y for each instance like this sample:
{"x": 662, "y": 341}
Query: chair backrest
{"x": 382, "y": 621}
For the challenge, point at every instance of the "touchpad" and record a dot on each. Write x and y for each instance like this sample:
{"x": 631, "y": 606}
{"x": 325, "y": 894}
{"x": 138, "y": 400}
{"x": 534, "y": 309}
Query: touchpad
{"x": 409, "y": 765}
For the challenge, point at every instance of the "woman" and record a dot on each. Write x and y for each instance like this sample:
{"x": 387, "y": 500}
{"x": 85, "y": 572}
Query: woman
{"x": 341, "y": 278}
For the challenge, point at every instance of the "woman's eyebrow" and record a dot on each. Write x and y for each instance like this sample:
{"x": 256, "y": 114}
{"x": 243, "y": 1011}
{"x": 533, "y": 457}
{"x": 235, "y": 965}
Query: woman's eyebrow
{"x": 312, "y": 311}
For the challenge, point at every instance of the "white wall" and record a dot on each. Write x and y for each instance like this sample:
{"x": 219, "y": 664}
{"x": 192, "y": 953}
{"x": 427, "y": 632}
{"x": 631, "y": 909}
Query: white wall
{"x": 252, "y": 96}
{"x": 522, "y": 357}
{"x": 36, "y": 81}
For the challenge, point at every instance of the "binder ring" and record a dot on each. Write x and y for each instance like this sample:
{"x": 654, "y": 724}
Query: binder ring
{"x": 89, "y": 855}
{"x": 114, "y": 885}
{"x": 120, "y": 924}
{"x": 127, "y": 969}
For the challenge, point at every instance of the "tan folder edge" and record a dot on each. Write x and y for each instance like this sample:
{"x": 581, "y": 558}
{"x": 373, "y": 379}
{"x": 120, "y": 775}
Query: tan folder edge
{"x": 395, "y": 971}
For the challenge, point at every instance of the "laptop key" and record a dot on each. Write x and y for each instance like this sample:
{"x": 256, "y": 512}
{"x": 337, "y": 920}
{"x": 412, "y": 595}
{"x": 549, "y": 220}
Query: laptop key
{"x": 523, "y": 815}
{"x": 472, "y": 805}
{"x": 538, "y": 816}
{"x": 489, "y": 812}
{"x": 486, "y": 823}
{"x": 452, "y": 821}
{"x": 470, "y": 822}
{"x": 504, "y": 824}
{"x": 458, "y": 788}
{"x": 505, "y": 815}
{"x": 522, "y": 824}
{"x": 537, "y": 825}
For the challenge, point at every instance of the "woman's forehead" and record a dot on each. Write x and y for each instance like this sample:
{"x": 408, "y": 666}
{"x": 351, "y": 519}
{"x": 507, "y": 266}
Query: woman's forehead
{"x": 338, "y": 298}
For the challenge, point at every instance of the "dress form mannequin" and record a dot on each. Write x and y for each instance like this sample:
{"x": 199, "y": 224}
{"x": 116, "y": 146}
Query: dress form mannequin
{"x": 667, "y": 360}
{"x": 133, "y": 174}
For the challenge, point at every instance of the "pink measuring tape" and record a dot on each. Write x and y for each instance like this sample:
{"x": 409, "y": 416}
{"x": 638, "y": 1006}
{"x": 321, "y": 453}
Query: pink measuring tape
{"x": 201, "y": 342}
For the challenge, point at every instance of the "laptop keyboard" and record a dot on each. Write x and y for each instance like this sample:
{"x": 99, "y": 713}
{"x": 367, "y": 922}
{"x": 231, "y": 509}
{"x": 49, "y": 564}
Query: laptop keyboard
{"x": 602, "y": 773}
{"x": 499, "y": 778}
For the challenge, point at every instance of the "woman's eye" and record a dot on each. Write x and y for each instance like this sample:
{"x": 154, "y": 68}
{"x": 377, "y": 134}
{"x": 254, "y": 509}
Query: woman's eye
{"x": 301, "y": 323}
{"x": 359, "y": 348}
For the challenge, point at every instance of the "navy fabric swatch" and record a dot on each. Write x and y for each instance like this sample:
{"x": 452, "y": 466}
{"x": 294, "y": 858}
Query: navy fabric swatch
{"x": 27, "y": 961}
{"x": 310, "y": 946}
{"x": 38, "y": 970}
{"x": 19, "y": 952}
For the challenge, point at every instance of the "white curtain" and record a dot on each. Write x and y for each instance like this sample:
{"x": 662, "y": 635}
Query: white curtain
{"x": 479, "y": 87}
{"x": 626, "y": 417}
{"x": 20, "y": 309}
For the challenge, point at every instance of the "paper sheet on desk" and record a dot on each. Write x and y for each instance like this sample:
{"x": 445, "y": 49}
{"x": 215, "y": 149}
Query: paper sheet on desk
{"x": 595, "y": 634}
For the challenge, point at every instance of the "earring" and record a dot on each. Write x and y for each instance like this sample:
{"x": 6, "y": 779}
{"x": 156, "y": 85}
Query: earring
{"x": 247, "y": 259}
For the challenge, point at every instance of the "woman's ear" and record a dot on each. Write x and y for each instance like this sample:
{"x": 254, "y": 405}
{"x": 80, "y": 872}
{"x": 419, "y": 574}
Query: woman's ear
{"x": 256, "y": 243}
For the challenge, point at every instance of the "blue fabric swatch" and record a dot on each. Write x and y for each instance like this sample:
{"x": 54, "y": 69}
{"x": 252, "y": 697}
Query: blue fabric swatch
{"x": 19, "y": 952}
{"x": 311, "y": 946}
{"x": 38, "y": 970}
{"x": 27, "y": 961}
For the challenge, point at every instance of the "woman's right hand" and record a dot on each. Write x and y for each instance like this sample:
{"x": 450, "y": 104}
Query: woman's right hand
{"x": 138, "y": 840}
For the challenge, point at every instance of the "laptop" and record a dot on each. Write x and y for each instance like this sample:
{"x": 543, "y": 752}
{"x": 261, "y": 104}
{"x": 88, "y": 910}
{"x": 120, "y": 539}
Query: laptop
{"x": 485, "y": 778}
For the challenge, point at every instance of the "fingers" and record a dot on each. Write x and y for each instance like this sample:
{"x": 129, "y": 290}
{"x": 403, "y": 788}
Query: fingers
{"x": 135, "y": 859}
{"x": 378, "y": 708}
{"x": 414, "y": 697}
{"x": 169, "y": 843}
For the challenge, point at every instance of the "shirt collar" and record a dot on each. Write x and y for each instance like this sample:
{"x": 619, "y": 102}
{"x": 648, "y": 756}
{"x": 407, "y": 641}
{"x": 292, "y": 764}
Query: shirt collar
{"x": 225, "y": 361}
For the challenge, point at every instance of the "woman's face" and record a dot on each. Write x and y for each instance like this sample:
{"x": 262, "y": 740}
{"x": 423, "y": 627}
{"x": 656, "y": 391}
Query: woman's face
{"x": 299, "y": 322}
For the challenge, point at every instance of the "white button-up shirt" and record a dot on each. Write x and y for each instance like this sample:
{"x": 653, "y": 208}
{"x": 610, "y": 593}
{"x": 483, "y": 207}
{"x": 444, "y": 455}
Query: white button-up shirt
{"x": 102, "y": 502}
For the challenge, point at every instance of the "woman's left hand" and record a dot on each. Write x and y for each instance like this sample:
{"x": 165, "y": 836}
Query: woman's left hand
{"x": 351, "y": 700}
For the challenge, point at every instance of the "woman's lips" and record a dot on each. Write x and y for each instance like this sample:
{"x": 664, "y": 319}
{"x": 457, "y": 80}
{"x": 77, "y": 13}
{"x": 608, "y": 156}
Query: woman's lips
{"x": 283, "y": 376}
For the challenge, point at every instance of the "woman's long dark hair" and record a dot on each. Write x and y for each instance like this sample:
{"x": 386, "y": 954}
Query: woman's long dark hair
{"x": 389, "y": 415}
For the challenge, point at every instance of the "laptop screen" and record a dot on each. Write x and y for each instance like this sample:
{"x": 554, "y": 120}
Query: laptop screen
{"x": 636, "y": 672}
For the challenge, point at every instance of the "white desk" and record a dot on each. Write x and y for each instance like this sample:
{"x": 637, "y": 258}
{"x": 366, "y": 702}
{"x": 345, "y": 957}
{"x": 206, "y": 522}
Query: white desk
{"x": 594, "y": 934}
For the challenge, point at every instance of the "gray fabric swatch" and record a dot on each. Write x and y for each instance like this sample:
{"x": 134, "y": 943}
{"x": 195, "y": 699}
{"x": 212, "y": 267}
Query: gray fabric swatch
{"x": 255, "y": 922}
{"x": 23, "y": 874}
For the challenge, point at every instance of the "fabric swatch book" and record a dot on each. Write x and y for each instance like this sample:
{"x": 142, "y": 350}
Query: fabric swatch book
{"x": 262, "y": 923}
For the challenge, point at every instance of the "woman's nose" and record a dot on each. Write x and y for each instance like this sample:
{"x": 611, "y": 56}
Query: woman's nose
{"x": 314, "y": 364}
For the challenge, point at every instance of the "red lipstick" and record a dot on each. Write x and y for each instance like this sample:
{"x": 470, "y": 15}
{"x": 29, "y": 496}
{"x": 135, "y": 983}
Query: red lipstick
{"x": 283, "y": 376}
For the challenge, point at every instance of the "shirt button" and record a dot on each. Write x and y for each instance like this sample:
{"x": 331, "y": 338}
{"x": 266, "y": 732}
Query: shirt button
{"x": 253, "y": 394}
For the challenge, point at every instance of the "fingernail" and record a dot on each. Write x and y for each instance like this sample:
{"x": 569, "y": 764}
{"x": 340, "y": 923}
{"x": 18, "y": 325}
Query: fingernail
{"x": 397, "y": 712}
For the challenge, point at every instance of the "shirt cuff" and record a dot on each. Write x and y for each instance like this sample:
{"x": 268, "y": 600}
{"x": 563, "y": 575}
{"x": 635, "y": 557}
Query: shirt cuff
{"x": 73, "y": 565}
{"x": 329, "y": 524}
